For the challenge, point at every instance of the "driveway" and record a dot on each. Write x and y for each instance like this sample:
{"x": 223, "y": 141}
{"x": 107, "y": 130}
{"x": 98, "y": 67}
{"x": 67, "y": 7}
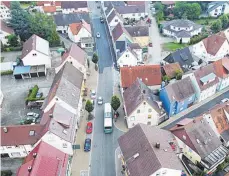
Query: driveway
{"x": 10, "y": 56}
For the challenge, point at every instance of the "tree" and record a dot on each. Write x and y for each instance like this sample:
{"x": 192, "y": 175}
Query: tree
{"x": 193, "y": 11}
{"x": 178, "y": 74}
{"x": 225, "y": 21}
{"x": 166, "y": 78}
{"x": 115, "y": 102}
{"x": 216, "y": 26}
{"x": 159, "y": 16}
{"x": 95, "y": 58}
{"x": 159, "y": 6}
{"x": 12, "y": 40}
{"x": 89, "y": 106}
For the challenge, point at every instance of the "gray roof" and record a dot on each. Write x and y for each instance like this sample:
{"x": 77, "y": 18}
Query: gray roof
{"x": 141, "y": 141}
{"x": 130, "y": 9}
{"x": 180, "y": 90}
{"x": 136, "y": 94}
{"x": 182, "y": 56}
{"x": 73, "y": 4}
{"x": 136, "y": 31}
{"x": 114, "y": 3}
{"x": 66, "y": 19}
{"x": 109, "y": 8}
{"x": 121, "y": 46}
{"x": 111, "y": 16}
{"x": 180, "y": 23}
{"x": 214, "y": 5}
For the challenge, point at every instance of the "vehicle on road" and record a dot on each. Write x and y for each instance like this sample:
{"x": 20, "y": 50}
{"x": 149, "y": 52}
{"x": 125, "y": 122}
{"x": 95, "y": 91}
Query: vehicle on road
{"x": 107, "y": 118}
{"x": 98, "y": 7}
{"x": 225, "y": 100}
{"x": 89, "y": 128}
{"x": 87, "y": 145}
{"x": 33, "y": 114}
{"x": 101, "y": 20}
{"x": 100, "y": 101}
{"x": 93, "y": 94}
{"x": 98, "y": 35}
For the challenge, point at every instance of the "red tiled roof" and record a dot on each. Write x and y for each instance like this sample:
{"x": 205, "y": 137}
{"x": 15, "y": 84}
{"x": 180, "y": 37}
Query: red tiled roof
{"x": 49, "y": 161}
{"x": 170, "y": 69}
{"x": 149, "y": 74}
{"x": 75, "y": 28}
{"x": 20, "y": 135}
{"x": 6, "y": 28}
{"x": 49, "y": 9}
{"x": 222, "y": 67}
{"x": 213, "y": 43}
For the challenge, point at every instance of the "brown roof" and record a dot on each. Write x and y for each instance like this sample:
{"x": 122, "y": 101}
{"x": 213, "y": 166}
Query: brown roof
{"x": 49, "y": 9}
{"x": 20, "y": 135}
{"x": 75, "y": 27}
{"x": 170, "y": 69}
{"x": 136, "y": 94}
{"x": 149, "y": 74}
{"x": 6, "y": 28}
{"x": 118, "y": 31}
{"x": 76, "y": 53}
{"x": 53, "y": 3}
{"x": 213, "y": 43}
{"x": 140, "y": 141}
{"x": 168, "y": 2}
{"x": 202, "y": 73}
{"x": 135, "y": 3}
{"x": 222, "y": 67}
{"x": 198, "y": 129}
{"x": 6, "y": 3}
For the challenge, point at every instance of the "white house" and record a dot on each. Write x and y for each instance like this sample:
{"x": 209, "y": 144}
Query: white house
{"x": 212, "y": 48}
{"x": 181, "y": 30}
{"x": 222, "y": 72}
{"x": 127, "y": 58}
{"x": 76, "y": 31}
{"x": 205, "y": 82}
{"x": 141, "y": 106}
{"x": 113, "y": 19}
{"x": 132, "y": 12}
{"x": 75, "y": 56}
{"x": 154, "y": 148}
{"x": 5, "y": 10}
{"x": 74, "y": 6}
{"x": 4, "y": 32}
{"x": 36, "y": 52}
{"x": 218, "y": 8}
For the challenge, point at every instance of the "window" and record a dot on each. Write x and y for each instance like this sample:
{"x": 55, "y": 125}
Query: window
{"x": 149, "y": 110}
{"x": 32, "y": 133}
{"x": 190, "y": 99}
{"x": 139, "y": 14}
{"x": 132, "y": 118}
{"x": 15, "y": 154}
{"x": 127, "y": 55}
{"x": 133, "y": 14}
{"x": 149, "y": 116}
{"x": 148, "y": 123}
{"x": 34, "y": 54}
{"x": 138, "y": 111}
{"x": 116, "y": 20}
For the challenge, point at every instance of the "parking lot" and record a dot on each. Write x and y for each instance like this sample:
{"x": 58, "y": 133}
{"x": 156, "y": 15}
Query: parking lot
{"x": 11, "y": 164}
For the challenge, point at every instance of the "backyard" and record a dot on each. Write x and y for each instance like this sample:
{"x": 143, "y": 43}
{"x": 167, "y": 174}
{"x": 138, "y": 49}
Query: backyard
{"x": 171, "y": 46}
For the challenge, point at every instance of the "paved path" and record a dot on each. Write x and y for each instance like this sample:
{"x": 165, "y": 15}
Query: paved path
{"x": 118, "y": 162}
{"x": 197, "y": 109}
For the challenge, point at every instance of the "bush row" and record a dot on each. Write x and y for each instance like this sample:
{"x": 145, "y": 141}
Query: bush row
{"x": 17, "y": 48}
{"x": 32, "y": 93}
{"x": 197, "y": 38}
{"x": 7, "y": 72}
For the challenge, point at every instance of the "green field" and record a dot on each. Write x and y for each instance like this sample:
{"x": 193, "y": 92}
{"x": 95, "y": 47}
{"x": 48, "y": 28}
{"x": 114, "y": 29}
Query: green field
{"x": 173, "y": 46}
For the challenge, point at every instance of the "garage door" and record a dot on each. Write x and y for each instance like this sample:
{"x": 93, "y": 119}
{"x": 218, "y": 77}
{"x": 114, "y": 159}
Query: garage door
{"x": 41, "y": 74}
{"x": 18, "y": 76}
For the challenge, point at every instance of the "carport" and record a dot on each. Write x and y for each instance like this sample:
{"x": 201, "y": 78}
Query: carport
{"x": 22, "y": 72}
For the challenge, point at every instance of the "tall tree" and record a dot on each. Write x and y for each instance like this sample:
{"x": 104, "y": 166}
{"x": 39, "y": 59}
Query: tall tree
{"x": 159, "y": 6}
{"x": 12, "y": 40}
{"x": 115, "y": 102}
{"x": 89, "y": 106}
{"x": 216, "y": 26}
{"x": 225, "y": 21}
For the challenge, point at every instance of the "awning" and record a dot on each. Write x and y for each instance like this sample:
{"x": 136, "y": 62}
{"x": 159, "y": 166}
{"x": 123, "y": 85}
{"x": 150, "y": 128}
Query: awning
{"x": 18, "y": 70}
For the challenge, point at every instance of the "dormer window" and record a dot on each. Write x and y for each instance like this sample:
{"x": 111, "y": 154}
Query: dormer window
{"x": 32, "y": 133}
{"x": 34, "y": 54}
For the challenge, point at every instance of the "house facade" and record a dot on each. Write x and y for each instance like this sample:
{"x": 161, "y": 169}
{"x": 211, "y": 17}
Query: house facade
{"x": 216, "y": 8}
{"x": 74, "y": 6}
{"x": 113, "y": 19}
{"x": 177, "y": 96}
{"x": 5, "y": 10}
{"x": 127, "y": 58}
{"x": 4, "y": 32}
{"x": 146, "y": 110}
{"x": 211, "y": 49}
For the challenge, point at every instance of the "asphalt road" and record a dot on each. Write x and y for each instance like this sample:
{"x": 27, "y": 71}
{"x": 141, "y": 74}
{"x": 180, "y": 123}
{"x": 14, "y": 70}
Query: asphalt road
{"x": 200, "y": 110}
{"x": 102, "y": 159}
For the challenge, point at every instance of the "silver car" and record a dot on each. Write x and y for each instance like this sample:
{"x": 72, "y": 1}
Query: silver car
{"x": 100, "y": 101}
{"x": 33, "y": 114}
{"x": 98, "y": 35}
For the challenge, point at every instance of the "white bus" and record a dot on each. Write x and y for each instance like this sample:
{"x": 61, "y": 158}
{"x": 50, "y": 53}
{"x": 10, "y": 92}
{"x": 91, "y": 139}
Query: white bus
{"x": 107, "y": 118}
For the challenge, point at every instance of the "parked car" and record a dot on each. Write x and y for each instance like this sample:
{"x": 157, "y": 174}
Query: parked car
{"x": 100, "y": 101}
{"x": 93, "y": 94}
{"x": 98, "y": 7}
{"x": 101, "y": 20}
{"x": 39, "y": 95}
{"x": 33, "y": 114}
{"x": 89, "y": 128}
{"x": 225, "y": 100}
{"x": 98, "y": 35}
{"x": 87, "y": 145}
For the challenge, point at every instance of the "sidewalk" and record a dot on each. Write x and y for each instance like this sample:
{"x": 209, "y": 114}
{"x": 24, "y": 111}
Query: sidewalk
{"x": 118, "y": 162}
{"x": 120, "y": 124}
{"x": 80, "y": 161}
{"x": 192, "y": 108}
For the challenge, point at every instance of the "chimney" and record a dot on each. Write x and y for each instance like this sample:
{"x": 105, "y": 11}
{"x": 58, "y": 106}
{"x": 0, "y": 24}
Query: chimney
{"x": 158, "y": 145}
{"x": 34, "y": 155}
{"x": 51, "y": 115}
{"x": 5, "y": 129}
{"x": 29, "y": 168}
{"x": 144, "y": 91}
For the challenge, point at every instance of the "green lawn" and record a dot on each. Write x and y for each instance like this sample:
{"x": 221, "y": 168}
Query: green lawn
{"x": 173, "y": 46}
{"x": 204, "y": 21}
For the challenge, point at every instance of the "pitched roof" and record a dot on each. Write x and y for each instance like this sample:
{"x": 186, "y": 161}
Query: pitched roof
{"x": 149, "y": 74}
{"x": 66, "y": 19}
{"x": 21, "y": 135}
{"x": 138, "y": 31}
{"x": 136, "y": 94}
{"x": 140, "y": 141}
{"x": 214, "y": 5}
{"x": 49, "y": 9}
{"x": 213, "y": 43}
{"x": 121, "y": 46}
{"x": 109, "y": 8}
{"x": 199, "y": 136}
{"x": 76, "y": 27}
{"x": 170, "y": 69}
{"x": 134, "y": 46}
{"x": 6, "y": 28}
{"x": 205, "y": 76}
{"x": 52, "y": 3}
{"x": 130, "y": 9}
{"x": 135, "y": 3}
{"x": 221, "y": 67}
{"x": 6, "y": 3}
{"x": 35, "y": 43}
{"x": 76, "y": 53}
{"x": 49, "y": 161}
{"x": 73, "y": 4}
{"x": 182, "y": 56}
{"x": 118, "y": 31}
{"x": 168, "y": 2}
{"x": 180, "y": 90}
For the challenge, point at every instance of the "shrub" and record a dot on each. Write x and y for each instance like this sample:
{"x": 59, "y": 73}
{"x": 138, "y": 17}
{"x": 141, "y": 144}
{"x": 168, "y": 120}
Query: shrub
{"x": 96, "y": 67}
{"x": 166, "y": 78}
{"x": 32, "y": 93}
{"x": 6, "y": 173}
{"x": 197, "y": 38}
{"x": 17, "y": 48}
{"x": 8, "y": 72}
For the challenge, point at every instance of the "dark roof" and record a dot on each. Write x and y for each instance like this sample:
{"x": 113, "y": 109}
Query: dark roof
{"x": 170, "y": 69}
{"x": 109, "y": 8}
{"x": 180, "y": 90}
{"x": 130, "y": 9}
{"x": 215, "y": 5}
{"x": 73, "y": 4}
{"x": 121, "y": 46}
{"x": 111, "y": 16}
{"x": 6, "y": 28}
{"x": 182, "y": 56}
{"x": 114, "y": 3}
{"x": 136, "y": 31}
{"x": 136, "y": 94}
{"x": 66, "y": 19}
{"x": 205, "y": 74}
{"x": 140, "y": 141}
{"x": 118, "y": 31}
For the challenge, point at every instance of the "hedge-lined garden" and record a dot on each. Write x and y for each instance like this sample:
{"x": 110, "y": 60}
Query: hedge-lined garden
{"x": 32, "y": 94}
